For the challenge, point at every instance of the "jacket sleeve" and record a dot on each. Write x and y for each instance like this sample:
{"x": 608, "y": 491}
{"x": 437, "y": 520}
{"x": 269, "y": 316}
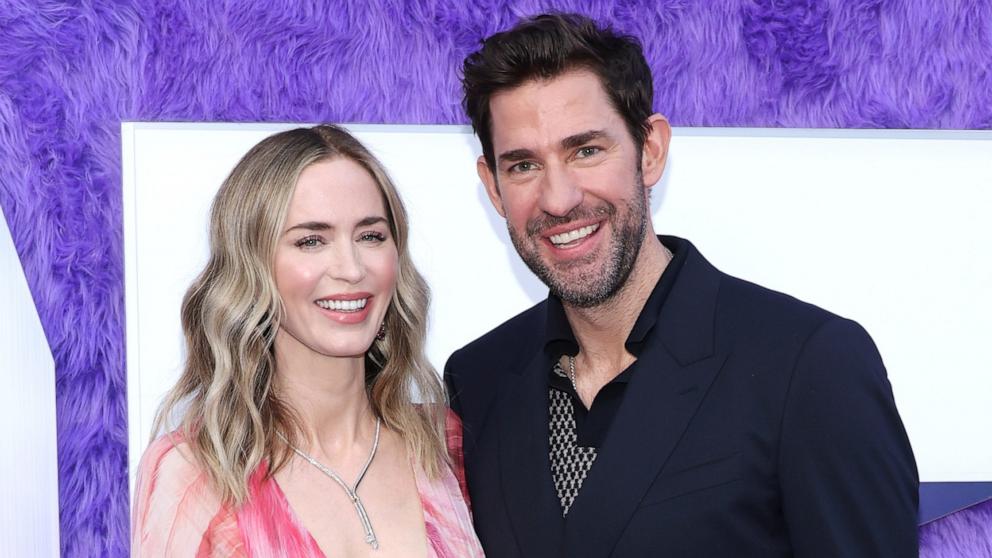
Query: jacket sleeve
{"x": 450, "y": 374}
{"x": 453, "y": 439}
{"x": 849, "y": 481}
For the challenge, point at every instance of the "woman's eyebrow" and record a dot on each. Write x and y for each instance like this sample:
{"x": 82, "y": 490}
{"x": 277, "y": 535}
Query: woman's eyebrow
{"x": 322, "y": 226}
{"x": 372, "y": 220}
{"x": 311, "y": 226}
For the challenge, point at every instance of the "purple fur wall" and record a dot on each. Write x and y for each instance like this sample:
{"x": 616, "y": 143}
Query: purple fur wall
{"x": 70, "y": 74}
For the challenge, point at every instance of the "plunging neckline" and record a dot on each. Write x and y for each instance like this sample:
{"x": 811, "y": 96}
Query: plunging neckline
{"x": 418, "y": 480}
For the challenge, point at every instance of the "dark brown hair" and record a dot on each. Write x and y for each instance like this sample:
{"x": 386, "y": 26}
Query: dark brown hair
{"x": 546, "y": 46}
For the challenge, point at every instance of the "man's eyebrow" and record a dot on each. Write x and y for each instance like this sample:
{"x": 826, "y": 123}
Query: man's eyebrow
{"x": 578, "y": 140}
{"x": 514, "y": 155}
{"x": 571, "y": 142}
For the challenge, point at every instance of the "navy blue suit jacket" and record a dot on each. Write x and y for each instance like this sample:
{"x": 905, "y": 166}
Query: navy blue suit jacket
{"x": 763, "y": 426}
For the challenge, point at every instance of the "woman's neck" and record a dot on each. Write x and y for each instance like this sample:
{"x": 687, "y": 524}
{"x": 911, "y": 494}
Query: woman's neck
{"x": 328, "y": 395}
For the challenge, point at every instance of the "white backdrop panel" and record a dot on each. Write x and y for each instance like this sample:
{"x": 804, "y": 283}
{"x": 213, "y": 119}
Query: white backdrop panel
{"x": 885, "y": 227}
{"x": 29, "y": 475}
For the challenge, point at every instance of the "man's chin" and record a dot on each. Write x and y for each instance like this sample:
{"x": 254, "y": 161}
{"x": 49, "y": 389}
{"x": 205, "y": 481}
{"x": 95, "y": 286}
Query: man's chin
{"x": 570, "y": 280}
{"x": 584, "y": 289}
{"x": 583, "y": 296}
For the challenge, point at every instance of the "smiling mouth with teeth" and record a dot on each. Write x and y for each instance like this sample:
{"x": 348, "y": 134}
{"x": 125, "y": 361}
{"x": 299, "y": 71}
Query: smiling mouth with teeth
{"x": 343, "y": 305}
{"x": 572, "y": 236}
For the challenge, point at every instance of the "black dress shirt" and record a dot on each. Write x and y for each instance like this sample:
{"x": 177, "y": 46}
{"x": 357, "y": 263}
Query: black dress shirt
{"x": 574, "y": 439}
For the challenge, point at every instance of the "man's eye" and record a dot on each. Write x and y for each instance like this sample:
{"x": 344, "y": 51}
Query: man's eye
{"x": 311, "y": 241}
{"x": 372, "y": 236}
{"x": 523, "y": 166}
{"x": 587, "y": 151}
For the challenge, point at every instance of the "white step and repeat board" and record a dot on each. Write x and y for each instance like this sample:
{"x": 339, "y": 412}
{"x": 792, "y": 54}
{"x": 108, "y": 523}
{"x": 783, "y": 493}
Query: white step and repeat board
{"x": 887, "y": 227}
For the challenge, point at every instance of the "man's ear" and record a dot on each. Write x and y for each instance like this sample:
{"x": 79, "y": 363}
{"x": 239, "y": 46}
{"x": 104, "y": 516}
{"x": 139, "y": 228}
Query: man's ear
{"x": 654, "y": 154}
{"x": 489, "y": 181}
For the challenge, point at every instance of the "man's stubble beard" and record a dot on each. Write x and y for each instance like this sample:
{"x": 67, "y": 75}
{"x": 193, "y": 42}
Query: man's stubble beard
{"x": 595, "y": 286}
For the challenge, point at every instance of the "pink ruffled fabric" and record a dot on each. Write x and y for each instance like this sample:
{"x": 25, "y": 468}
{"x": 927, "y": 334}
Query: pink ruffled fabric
{"x": 176, "y": 513}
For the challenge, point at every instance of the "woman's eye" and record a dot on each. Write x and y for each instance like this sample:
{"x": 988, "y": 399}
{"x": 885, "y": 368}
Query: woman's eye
{"x": 373, "y": 236}
{"x": 311, "y": 241}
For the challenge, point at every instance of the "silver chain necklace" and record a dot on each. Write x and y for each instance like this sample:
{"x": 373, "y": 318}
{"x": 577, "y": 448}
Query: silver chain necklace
{"x": 352, "y": 491}
{"x": 571, "y": 373}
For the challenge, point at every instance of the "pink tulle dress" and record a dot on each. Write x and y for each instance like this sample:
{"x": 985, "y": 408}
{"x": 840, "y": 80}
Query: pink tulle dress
{"x": 176, "y": 513}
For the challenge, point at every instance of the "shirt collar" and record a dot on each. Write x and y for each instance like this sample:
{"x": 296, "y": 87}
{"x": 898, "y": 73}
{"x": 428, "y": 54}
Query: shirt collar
{"x": 559, "y": 338}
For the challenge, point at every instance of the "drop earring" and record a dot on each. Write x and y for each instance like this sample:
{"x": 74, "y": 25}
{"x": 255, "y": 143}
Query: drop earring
{"x": 381, "y": 334}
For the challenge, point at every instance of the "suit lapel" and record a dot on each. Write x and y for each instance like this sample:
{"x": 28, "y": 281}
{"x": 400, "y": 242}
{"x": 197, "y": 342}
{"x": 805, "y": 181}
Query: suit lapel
{"x": 525, "y": 467}
{"x": 658, "y": 405}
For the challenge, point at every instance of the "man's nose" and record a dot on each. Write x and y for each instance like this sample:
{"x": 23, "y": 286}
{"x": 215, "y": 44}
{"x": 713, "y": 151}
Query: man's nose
{"x": 560, "y": 191}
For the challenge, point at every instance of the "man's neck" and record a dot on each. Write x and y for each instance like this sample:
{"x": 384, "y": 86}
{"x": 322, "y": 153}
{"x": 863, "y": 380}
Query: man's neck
{"x": 602, "y": 330}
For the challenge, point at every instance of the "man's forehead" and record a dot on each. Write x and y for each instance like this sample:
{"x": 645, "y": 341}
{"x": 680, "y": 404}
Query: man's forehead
{"x": 552, "y": 109}
{"x": 576, "y": 81}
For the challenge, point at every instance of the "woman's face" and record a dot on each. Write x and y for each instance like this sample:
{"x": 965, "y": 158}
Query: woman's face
{"x": 335, "y": 262}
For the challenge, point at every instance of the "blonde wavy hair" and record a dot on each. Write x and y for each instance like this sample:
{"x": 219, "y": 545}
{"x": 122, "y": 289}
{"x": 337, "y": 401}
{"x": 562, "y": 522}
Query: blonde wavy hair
{"x": 226, "y": 399}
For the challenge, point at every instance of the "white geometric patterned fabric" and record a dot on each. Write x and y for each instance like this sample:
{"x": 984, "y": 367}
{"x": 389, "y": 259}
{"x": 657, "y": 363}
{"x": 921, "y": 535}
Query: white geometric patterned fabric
{"x": 570, "y": 463}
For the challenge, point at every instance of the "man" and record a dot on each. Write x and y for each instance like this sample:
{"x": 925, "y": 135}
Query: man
{"x": 652, "y": 405}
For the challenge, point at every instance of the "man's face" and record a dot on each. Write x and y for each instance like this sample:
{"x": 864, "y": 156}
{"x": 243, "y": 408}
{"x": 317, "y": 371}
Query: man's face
{"x": 568, "y": 184}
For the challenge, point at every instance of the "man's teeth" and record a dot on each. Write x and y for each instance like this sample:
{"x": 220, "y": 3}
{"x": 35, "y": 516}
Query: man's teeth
{"x": 343, "y": 305}
{"x": 572, "y": 236}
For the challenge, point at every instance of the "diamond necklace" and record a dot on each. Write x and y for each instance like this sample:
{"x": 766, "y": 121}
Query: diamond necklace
{"x": 352, "y": 491}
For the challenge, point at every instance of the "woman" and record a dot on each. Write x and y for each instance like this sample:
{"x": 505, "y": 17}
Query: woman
{"x": 297, "y": 433}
